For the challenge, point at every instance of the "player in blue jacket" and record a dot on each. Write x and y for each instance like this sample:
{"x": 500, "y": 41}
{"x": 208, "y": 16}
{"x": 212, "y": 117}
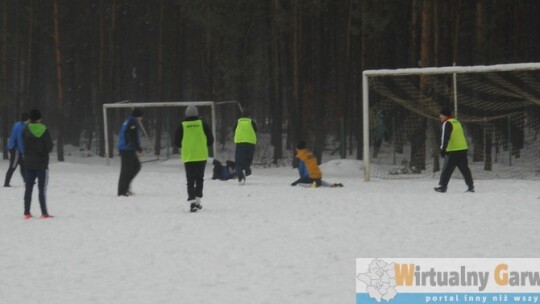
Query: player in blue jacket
{"x": 129, "y": 144}
{"x": 16, "y": 148}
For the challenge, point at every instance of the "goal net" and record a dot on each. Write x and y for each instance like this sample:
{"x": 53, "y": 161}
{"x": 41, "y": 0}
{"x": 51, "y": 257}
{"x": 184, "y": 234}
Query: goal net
{"x": 160, "y": 120}
{"x": 498, "y": 106}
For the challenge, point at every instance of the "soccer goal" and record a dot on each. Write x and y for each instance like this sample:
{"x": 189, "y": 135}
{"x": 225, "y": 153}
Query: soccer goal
{"x": 166, "y": 106}
{"x": 498, "y": 105}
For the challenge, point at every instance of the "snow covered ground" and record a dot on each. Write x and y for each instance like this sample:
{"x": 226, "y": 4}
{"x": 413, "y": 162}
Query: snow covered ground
{"x": 265, "y": 242}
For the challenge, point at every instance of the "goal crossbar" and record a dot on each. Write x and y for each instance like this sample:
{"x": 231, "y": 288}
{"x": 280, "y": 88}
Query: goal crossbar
{"x": 163, "y": 104}
{"x": 426, "y": 71}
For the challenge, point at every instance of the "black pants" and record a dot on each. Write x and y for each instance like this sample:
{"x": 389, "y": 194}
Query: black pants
{"x": 453, "y": 160}
{"x": 15, "y": 158}
{"x": 243, "y": 158}
{"x": 42, "y": 176}
{"x": 128, "y": 170}
{"x": 307, "y": 180}
{"x": 195, "y": 179}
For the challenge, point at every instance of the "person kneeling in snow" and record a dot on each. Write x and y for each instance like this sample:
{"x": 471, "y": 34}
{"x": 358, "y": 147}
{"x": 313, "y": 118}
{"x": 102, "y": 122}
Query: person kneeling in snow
{"x": 308, "y": 168}
{"x": 222, "y": 172}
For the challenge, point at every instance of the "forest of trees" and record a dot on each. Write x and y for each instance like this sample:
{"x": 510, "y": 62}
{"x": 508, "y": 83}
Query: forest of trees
{"x": 296, "y": 64}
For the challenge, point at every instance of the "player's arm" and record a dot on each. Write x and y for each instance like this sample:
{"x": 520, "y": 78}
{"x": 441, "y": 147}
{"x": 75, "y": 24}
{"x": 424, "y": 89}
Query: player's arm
{"x": 254, "y": 125}
{"x": 178, "y": 136}
{"x": 445, "y": 136}
{"x": 208, "y": 133}
{"x": 48, "y": 141}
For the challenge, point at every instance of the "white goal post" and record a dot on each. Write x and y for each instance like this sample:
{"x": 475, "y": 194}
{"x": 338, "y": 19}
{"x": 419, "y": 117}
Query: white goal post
{"x": 366, "y": 75}
{"x": 169, "y": 104}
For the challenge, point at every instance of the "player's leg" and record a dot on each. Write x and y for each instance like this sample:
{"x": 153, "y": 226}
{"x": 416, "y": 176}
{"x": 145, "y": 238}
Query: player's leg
{"x": 448, "y": 169}
{"x": 463, "y": 166}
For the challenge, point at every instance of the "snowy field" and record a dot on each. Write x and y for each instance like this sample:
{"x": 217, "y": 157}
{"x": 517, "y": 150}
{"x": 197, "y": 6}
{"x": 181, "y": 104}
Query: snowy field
{"x": 264, "y": 242}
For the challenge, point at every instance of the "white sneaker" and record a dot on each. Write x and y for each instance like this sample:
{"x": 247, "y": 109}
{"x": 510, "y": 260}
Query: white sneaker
{"x": 198, "y": 203}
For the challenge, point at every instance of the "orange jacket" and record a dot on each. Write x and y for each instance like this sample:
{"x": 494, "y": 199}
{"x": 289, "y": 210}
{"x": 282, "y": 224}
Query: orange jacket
{"x": 311, "y": 163}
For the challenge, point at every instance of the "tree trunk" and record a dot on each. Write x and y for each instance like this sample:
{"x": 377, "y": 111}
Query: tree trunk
{"x": 480, "y": 58}
{"x": 3, "y": 93}
{"x": 297, "y": 115}
{"x": 320, "y": 104}
{"x": 418, "y": 140}
{"x": 363, "y": 66}
{"x": 100, "y": 73}
{"x": 346, "y": 112}
{"x": 159, "y": 118}
{"x": 60, "y": 91}
{"x": 277, "y": 121}
{"x": 110, "y": 71}
{"x": 488, "y": 163}
{"x": 435, "y": 127}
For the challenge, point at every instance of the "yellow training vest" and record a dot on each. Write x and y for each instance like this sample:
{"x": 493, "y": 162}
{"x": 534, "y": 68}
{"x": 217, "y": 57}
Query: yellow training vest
{"x": 194, "y": 142}
{"x": 457, "y": 141}
{"x": 244, "y": 132}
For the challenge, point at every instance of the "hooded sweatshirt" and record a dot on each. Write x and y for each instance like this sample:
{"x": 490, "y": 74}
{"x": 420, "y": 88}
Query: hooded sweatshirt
{"x": 37, "y": 145}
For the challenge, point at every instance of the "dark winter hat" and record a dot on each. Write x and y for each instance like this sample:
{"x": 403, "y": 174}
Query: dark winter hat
{"x": 192, "y": 111}
{"x": 25, "y": 116}
{"x": 446, "y": 111}
{"x": 136, "y": 113}
{"x": 35, "y": 115}
{"x": 301, "y": 145}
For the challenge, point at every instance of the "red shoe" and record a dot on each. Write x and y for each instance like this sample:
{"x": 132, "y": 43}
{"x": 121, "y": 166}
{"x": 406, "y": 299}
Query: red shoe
{"x": 46, "y": 216}
{"x": 28, "y": 216}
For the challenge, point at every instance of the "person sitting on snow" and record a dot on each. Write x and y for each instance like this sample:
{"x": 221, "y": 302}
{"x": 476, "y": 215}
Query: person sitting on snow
{"x": 308, "y": 168}
{"x": 222, "y": 172}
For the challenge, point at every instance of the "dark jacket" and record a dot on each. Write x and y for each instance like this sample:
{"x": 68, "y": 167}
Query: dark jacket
{"x": 37, "y": 145}
{"x": 179, "y": 135}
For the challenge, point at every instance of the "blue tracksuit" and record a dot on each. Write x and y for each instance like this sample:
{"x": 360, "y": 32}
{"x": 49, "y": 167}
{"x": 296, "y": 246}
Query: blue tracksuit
{"x": 15, "y": 138}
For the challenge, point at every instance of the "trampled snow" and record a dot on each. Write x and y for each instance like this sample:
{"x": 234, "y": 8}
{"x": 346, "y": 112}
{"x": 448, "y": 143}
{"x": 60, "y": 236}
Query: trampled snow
{"x": 264, "y": 242}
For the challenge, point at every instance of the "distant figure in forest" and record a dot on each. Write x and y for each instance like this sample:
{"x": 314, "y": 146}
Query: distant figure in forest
{"x": 129, "y": 144}
{"x": 245, "y": 138}
{"x": 379, "y": 132}
{"x": 37, "y": 146}
{"x": 16, "y": 149}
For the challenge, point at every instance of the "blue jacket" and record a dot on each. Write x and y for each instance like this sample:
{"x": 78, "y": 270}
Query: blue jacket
{"x": 129, "y": 138}
{"x": 15, "y": 138}
{"x": 302, "y": 169}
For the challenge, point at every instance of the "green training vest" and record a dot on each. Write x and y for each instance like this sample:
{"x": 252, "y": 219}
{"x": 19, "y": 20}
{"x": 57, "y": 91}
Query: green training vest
{"x": 457, "y": 141}
{"x": 244, "y": 132}
{"x": 194, "y": 142}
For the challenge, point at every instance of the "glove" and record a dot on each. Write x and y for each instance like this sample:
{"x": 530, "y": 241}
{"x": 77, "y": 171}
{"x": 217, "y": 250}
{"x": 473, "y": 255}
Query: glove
{"x": 443, "y": 154}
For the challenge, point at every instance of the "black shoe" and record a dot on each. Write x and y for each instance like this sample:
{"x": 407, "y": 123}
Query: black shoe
{"x": 440, "y": 189}
{"x": 193, "y": 207}
{"x": 7, "y": 186}
{"x": 471, "y": 189}
{"x": 248, "y": 172}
